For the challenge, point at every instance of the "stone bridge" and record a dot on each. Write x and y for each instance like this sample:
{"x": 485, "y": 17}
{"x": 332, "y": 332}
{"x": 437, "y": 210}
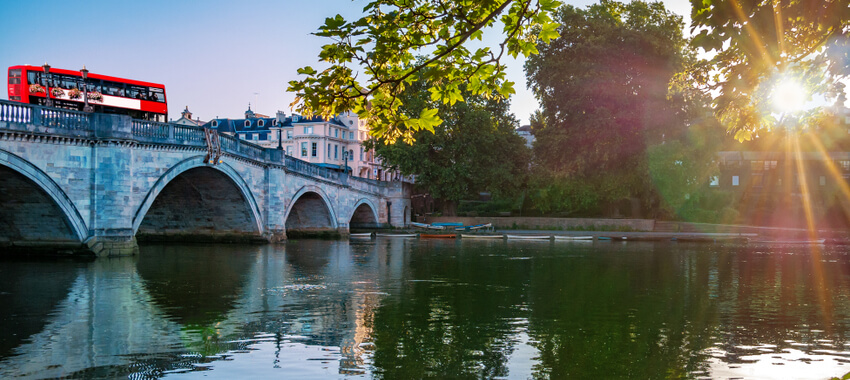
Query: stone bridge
{"x": 74, "y": 181}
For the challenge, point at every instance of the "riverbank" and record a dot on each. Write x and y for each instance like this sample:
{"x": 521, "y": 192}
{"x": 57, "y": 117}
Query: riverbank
{"x": 549, "y": 224}
{"x": 645, "y": 229}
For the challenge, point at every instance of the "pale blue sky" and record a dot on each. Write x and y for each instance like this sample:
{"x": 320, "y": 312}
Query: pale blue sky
{"x": 214, "y": 56}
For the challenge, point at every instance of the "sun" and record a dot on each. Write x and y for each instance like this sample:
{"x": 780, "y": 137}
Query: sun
{"x": 789, "y": 95}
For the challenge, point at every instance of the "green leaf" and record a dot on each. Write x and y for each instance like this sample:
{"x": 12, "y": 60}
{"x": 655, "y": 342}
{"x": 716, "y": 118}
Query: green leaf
{"x": 428, "y": 119}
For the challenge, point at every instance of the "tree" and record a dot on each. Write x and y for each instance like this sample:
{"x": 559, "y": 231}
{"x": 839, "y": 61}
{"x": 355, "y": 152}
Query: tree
{"x": 475, "y": 149}
{"x": 762, "y": 46}
{"x": 603, "y": 87}
{"x": 386, "y": 42}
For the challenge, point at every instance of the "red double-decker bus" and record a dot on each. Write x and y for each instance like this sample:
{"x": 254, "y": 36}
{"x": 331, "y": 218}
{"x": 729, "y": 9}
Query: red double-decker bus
{"x": 139, "y": 100}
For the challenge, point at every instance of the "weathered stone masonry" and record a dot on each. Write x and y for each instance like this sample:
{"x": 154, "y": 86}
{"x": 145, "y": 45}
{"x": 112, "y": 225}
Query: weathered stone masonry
{"x": 96, "y": 182}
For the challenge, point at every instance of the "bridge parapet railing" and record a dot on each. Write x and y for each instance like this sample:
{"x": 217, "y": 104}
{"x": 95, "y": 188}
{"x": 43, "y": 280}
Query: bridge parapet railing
{"x": 15, "y": 112}
{"x": 167, "y": 133}
{"x": 304, "y": 167}
{"x": 152, "y": 129}
{"x": 373, "y": 185}
{"x": 188, "y": 133}
{"x": 66, "y": 119}
{"x": 236, "y": 146}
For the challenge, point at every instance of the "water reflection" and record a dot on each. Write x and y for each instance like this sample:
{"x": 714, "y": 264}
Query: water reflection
{"x": 396, "y": 308}
{"x": 22, "y": 314}
{"x": 197, "y": 285}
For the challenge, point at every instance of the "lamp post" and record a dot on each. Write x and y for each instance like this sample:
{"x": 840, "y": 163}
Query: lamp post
{"x": 48, "y": 102}
{"x": 345, "y": 159}
{"x": 86, "y": 107}
{"x": 279, "y": 138}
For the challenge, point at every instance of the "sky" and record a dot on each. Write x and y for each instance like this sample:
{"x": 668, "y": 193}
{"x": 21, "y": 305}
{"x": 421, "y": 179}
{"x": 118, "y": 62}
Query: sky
{"x": 213, "y": 56}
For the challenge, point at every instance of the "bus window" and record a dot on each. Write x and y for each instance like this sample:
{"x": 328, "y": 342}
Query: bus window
{"x": 34, "y": 77}
{"x": 94, "y": 85}
{"x": 15, "y": 76}
{"x": 156, "y": 94}
{"x": 68, "y": 82}
{"x": 137, "y": 92}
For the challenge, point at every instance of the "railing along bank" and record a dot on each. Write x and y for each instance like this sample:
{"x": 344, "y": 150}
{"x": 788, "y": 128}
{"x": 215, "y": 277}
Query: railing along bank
{"x": 22, "y": 117}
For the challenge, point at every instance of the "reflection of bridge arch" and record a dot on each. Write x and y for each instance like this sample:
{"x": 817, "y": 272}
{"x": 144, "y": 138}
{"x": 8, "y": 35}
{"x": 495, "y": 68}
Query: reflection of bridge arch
{"x": 310, "y": 211}
{"x": 58, "y": 218}
{"x": 364, "y": 214}
{"x": 220, "y": 199}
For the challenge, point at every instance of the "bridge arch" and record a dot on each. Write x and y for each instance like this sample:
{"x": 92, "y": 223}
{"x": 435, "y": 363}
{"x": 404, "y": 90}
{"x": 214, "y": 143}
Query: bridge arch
{"x": 62, "y": 209}
{"x": 310, "y": 211}
{"x": 195, "y": 168}
{"x": 364, "y": 214}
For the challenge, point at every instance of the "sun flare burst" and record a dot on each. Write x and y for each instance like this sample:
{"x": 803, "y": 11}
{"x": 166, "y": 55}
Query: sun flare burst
{"x": 789, "y": 95}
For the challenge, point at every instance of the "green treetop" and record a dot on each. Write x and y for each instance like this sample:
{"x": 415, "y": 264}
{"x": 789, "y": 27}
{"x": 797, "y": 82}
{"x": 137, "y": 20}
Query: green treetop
{"x": 384, "y": 44}
{"x": 475, "y": 149}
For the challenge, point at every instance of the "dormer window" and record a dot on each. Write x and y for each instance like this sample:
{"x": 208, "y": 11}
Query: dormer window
{"x": 215, "y": 123}
{"x": 247, "y": 124}
{"x": 294, "y": 118}
{"x": 261, "y": 123}
{"x": 274, "y": 122}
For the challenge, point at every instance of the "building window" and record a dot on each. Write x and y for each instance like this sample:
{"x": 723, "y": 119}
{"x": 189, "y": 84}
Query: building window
{"x": 261, "y": 123}
{"x": 734, "y": 180}
{"x": 308, "y": 130}
{"x": 315, "y": 149}
{"x": 289, "y": 150}
{"x": 714, "y": 181}
{"x": 845, "y": 165}
{"x": 822, "y": 180}
{"x": 247, "y": 124}
{"x": 288, "y": 133}
{"x": 361, "y": 153}
{"x": 255, "y": 136}
{"x": 329, "y": 151}
{"x": 351, "y": 135}
{"x": 303, "y": 149}
{"x": 336, "y": 132}
{"x": 215, "y": 123}
{"x": 336, "y": 152}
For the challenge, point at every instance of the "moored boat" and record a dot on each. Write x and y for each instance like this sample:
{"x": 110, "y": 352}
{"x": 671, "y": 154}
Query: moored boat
{"x": 566, "y": 237}
{"x": 427, "y": 226}
{"x": 475, "y": 227}
{"x": 530, "y": 237}
{"x": 437, "y": 236}
{"x": 364, "y": 235}
{"x": 396, "y": 235}
{"x": 475, "y": 236}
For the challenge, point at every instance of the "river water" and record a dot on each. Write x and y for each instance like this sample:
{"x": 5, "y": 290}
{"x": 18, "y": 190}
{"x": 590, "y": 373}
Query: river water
{"x": 410, "y": 309}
